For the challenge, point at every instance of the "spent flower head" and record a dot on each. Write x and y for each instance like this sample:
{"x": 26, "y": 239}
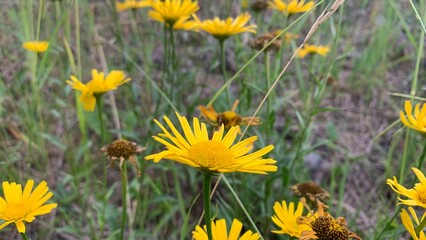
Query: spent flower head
{"x": 122, "y": 150}
{"x": 291, "y": 6}
{"x": 223, "y": 29}
{"x": 220, "y": 231}
{"x": 416, "y": 121}
{"x": 308, "y": 49}
{"x": 131, "y": 4}
{"x": 311, "y": 191}
{"x": 408, "y": 223}
{"x": 19, "y": 206}
{"x": 174, "y": 13}
{"x": 216, "y": 155}
{"x": 416, "y": 195}
{"x": 98, "y": 85}
{"x": 228, "y": 118}
{"x": 285, "y": 217}
{"x": 36, "y": 46}
{"x": 323, "y": 226}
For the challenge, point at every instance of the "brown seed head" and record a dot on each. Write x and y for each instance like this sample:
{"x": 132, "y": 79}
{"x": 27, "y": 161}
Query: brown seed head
{"x": 120, "y": 149}
{"x": 310, "y": 190}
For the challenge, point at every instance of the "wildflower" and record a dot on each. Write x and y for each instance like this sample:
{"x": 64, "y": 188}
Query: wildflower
{"x": 36, "y": 46}
{"x": 214, "y": 155}
{"x": 310, "y": 190}
{"x": 312, "y": 49}
{"x": 222, "y": 29}
{"x": 260, "y": 42}
{"x": 123, "y": 150}
{"x": 18, "y": 206}
{"x": 416, "y": 195}
{"x": 323, "y": 226}
{"x": 227, "y": 118}
{"x": 97, "y": 86}
{"x": 286, "y": 218}
{"x": 244, "y": 3}
{"x": 292, "y": 6}
{"x": 220, "y": 232}
{"x": 131, "y": 4}
{"x": 408, "y": 224}
{"x": 416, "y": 122}
{"x": 174, "y": 13}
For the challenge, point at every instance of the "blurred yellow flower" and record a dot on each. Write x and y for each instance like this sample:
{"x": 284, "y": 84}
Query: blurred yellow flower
{"x": 97, "y": 86}
{"x": 408, "y": 224}
{"x": 36, "y": 46}
{"x": 416, "y": 195}
{"x": 222, "y": 29}
{"x": 286, "y": 219}
{"x": 174, "y": 13}
{"x": 215, "y": 155}
{"x": 228, "y": 118}
{"x": 292, "y": 6}
{"x": 312, "y": 49}
{"x": 220, "y": 232}
{"x": 131, "y": 4}
{"x": 18, "y": 206}
{"x": 324, "y": 226}
{"x": 416, "y": 122}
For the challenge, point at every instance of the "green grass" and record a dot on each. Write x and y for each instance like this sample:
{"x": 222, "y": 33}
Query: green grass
{"x": 338, "y": 134}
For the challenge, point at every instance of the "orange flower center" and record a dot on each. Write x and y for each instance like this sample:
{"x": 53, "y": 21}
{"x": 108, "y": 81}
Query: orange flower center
{"x": 15, "y": 211}
{"x": 327, "y": 228}
{"x": 211, "y": 154}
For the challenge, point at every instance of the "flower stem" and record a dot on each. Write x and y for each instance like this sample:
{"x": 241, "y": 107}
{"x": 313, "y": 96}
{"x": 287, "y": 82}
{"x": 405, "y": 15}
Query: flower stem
{"x": 172, "y": 62}
{"x": 206, "y": 194}
{"x": 124, "y": 192}
{"x": 24, "y": 236}
{"x": 100, "y": 117}
{"x": 422, "y": 157}
{"x": 421, "y": 226}
{"x": 223, "y": 65}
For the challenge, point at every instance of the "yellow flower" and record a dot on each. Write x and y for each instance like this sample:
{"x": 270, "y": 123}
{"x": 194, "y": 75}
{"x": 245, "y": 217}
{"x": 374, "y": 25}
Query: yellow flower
{"x": 129, "y": 4}
{"x": 416, "y": 195}
{"x": 97, "y": 86}
{"x": 312, "y": 49}
{"x": 408, "y": 224}
{"x": 214, "y": 155}
{"x": 222, "y": 29}
{"x": 323, "y": 226}
{"x": 18, "y": 206}
{"x": 291, "y": 7}
{"x": 416, "y": 122}
{"x": 175, "y": 13}
{"x": 286, "y": 218}
{"x": 227, "y": 118}
{"x": 220, "y": 232}
{"x": 36, "y": 46}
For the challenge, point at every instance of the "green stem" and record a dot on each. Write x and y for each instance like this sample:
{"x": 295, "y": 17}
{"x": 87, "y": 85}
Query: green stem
{"x": 421, "y": 226}
{"x": 165, "y": 56}
{"x": 24, "y": 236}
{"x": 422, "y": 157}
{"x": 100, "y": 117}
{"x": 124, "y": 192}
{"x": 206, "y": 194}
{"x": 172, "y": 62}
{"x": 223, "y": 65}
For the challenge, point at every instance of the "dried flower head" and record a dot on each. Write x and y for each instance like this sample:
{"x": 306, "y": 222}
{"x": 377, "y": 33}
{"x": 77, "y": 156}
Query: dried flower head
{"x": 122, "y": 150}
{"x": 228, "y": 118}
{"x": 323, "y": 226}
{"x": 310, "y": 190}
{"x": 259, "y": 5}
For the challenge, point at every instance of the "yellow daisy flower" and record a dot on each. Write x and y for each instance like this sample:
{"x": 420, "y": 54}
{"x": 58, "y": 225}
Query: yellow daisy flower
{"x": 97, "y": 86}
{"x": 312, "y": 49}
{"x": 416, "y": 122}
{"x": 227, "y": 118}
{"x": 220, "y": 232}
{"x": 408, "y": 224}
{"x": 286, "y": 218}
{"x": 174, "y": 13}
{"x": 416, "y": 195}
{"x": 323, "y": 226}
{"x": 214, "y": 155}
{"x": 292, "y": 6}
{"x": 36, "y": 46}
{"x": 18, "y": 206}
{"x": 222, "y": 29}
{"x": 131, "y": 4}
